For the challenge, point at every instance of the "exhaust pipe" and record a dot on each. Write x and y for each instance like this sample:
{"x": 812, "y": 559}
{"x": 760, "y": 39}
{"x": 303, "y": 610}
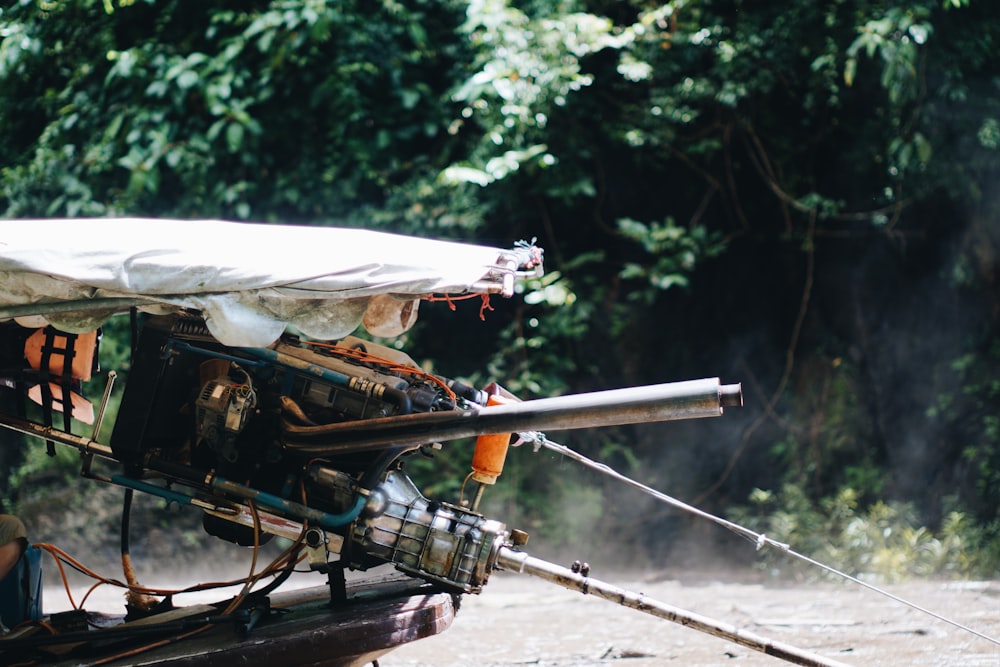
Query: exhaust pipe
{"x": 693, "y": 399}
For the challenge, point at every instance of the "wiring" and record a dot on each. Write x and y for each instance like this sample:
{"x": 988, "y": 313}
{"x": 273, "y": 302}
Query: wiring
{"x": 280, "y": 568}
{"x": 288, "y": 558}
{"x": 461, "y": 491}
{"x": 360, "y": 356}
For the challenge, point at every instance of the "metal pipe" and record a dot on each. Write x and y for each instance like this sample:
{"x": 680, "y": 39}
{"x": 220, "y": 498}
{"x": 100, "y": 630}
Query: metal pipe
{"x": 692, "y": 399}
{"x": 102, "y": 408}
{"x": 86, "y": 446}
{"x": 336, "y": 378}
{"x": 288, "y": 507}
{"x": 520, "y": 562}
{"x": 110, "y": 304}
{"x": 88, "y": 459}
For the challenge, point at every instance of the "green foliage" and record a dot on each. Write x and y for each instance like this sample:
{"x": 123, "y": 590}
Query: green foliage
{"x": 829, "y": 447}
{"x": 675, "y": 252}
{"x": 975, "y": 546}
{"x": 176, "y": 109}
{"x": 680, "y": 162}
{"x": 533, "y": 359}
{"x": 971, "y": 412}
{"x": 38, "y": 468}
{"x": 881, "y": 542}
{"x": 527, "y": 69}
{"x": 895, "y": 38}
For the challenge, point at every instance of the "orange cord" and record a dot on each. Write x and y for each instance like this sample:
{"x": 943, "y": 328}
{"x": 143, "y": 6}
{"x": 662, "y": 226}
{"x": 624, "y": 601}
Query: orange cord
{"x": 60, "y": 557}
{"x": 289, "y": 558}
{"x": 361, "y": 356}
{"x": 450, "y": 299}
{"x": 484, "y": 307}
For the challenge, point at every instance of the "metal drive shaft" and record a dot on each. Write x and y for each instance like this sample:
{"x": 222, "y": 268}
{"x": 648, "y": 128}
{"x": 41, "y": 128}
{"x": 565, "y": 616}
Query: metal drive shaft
{"x": 518, "y": 561}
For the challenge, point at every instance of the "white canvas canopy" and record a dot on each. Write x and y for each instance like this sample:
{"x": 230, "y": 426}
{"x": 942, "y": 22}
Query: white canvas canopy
{"x": 249, "y": 281}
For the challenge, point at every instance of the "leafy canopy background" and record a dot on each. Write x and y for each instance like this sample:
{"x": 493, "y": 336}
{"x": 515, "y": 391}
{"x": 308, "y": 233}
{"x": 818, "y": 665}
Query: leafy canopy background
{"x": 797, "y": 195}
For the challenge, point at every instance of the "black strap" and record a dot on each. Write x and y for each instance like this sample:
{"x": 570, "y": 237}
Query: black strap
{"x": 64, "y": 381}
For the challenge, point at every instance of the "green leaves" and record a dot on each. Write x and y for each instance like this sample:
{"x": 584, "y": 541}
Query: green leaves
{"x": 894, "y": 38}
{"x": 528, "y": 68}
{"x": 674, "y": 251}
{"x": 636, "y": 140}
{"x": 882, "y": 542}
{"x": 207, "y": 115}
{"x": 496, "y": 168}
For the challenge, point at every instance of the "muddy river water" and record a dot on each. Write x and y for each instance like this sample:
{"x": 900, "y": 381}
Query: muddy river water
{"x": 518, "y": 620}
{"x": 523, "y": 621}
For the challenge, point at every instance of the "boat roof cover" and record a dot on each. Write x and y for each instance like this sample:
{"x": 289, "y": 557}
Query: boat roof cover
{"x": 249, "y": 281}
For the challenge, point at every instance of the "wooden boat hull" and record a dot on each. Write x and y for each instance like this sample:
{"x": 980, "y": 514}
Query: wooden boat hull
{"x": 301, "y": 629}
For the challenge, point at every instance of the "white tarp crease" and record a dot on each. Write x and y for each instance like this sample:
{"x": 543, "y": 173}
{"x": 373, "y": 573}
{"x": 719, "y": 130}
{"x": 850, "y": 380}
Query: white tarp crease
{"x": 249, "y": 281}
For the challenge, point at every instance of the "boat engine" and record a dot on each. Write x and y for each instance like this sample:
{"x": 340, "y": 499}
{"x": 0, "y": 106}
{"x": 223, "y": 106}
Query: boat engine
{"x": 245, "y": 425}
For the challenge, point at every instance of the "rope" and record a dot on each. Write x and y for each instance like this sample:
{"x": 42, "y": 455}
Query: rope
{"x": 759, "y": 539}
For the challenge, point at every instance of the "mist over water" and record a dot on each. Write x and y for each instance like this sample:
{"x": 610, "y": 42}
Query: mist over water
{"x": 861, "y": 388}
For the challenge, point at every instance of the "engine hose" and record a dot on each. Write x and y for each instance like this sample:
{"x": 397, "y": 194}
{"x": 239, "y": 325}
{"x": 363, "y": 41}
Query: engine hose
{"x": 215, "y": 483}
{"x": 133, "y": 600}
{"x": 344, "y": 518}
{"x": 383, "y": 392}
{"x": 288, "y": 507}
{"x": 126, "y": 521}
{"x": 373, "y": 475}
{"x": 297, "y": 439}
{"x": 395, "y": 396}
{"x": 278, "y": 580}
{"x": 295, "y": 410}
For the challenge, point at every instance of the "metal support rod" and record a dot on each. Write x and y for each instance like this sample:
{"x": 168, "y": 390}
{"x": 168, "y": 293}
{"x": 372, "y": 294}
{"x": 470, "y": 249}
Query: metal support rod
{"x": 520, "y": 562}
{"x": 88, "y": 459}
{"x": 86, "y": 446}
{"x": 109, "y": 304}
{"x": 478, "y": 498}
{"x": 102, "y": 408}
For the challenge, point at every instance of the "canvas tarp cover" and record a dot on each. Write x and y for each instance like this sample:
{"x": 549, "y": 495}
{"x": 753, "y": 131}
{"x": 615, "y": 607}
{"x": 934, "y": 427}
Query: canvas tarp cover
{"x": 249, "y": 281}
